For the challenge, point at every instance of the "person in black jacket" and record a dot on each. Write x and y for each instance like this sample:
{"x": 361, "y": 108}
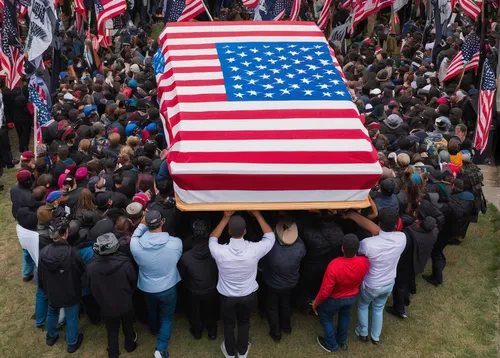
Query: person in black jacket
{"x": 199, "y": 272}
{"x": 164, "y": 202}
{"x": 60, "y": 272}
{"x": 280, "y": 273}
{"x": 23, "y": 120}
{"x": 112, "y": 280}
{"x": 20, "y": 194}
{"x": 72, "y": 192}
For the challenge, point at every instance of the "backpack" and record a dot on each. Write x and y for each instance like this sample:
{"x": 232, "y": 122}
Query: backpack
{"x": 473, "y": 181}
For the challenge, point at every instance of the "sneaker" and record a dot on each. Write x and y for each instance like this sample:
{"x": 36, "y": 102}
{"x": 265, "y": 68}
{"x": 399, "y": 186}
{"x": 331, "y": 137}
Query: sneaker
{"x": 33, "y": 316}
{"x": 361, "y": 338}
{"x": 431, "y": 280}
{"x": 246, "y": 353}
{"x": 72, "y": 348}
{"x": 322, "y": 343}
{"x": 224, "y": 351}
{"x": 28, "y": 278}
{"x": 276, "y": 339}
{"x": 158, "y": 355}
{"x": 343, "y": 347}
{"x": 374, "y": 341}
{"x": 51, "y": 341}
{"x": 135, "y": 339}
{"x": 194, "y": 334}
{"x": 391, "y": 310}
{"x": 212, "y": 336}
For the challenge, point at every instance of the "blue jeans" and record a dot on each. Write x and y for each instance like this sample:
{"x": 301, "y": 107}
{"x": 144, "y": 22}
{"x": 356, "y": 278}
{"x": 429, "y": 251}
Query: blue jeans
{"x": 28, "y": 264}
{"x": 71, "y": 323}
{"x": 41, "y": 307}
{"x": 327, "y": 312}
{"x": 165, "y": 301}
{"x": 377, "y": 298}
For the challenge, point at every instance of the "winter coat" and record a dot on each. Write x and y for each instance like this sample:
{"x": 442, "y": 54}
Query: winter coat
{"x": 167, "y": 208}
{"x": 112, "y": 280}
{"x": 21, "y": 197}
{"x": 27, "y": 217}
{"x": 199, "y": 270}
{"x": 101, "y": 227}
{"x": 73, "y": 197}
{"x": 60, "y": 272}
{"x": 281, "y": 265}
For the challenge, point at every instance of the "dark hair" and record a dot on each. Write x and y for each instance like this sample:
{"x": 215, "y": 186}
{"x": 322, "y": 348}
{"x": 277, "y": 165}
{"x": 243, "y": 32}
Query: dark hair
{"x": 350, "y": 244}
{"x": 63, "y": 152}
{"x": 118, "y": 178}
{"x": 165, "y": 187}
{"x": 388, "y": 219}
{"x": 237, "y": 226}
{"x": 39, "y": 193}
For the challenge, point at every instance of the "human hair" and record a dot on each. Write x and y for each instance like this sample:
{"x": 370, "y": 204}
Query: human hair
{"x": 388, "y": 219}
{"x": 237, "y": 226}
{"x": 40, "y": 167}
{"x": 44, "y": 180}
{"x": 84, "y": 145}
{"x": 127, "y": 150}
{"x": 165, "y": 187}
{"x": 146, "y": 182}
{"x": 413, "y": 191}
{"x": 63, "y": 152}
{"x": 118, "y": 178}
{"x": 453, "y": 146}
{"x": 124, "y": 224}
{"x": 97, "y": 87}
{"x": 132, "y": 141}
{"x": 114, "y": 140}
{"x": 85, "y": 200}
{"x": 350, "y": 245}
{"x": 462, "y": 127}
{"x": 39, "y": 193}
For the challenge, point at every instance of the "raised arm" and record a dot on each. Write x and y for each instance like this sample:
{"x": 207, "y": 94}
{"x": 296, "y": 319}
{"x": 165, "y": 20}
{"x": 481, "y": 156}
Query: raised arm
{"x": 266, "y": 244}
{"x": 262, "y": 222}
{"x": 373, "y": 207}
{"x": 217, "y": 232}
{"x": 365, "y": 223}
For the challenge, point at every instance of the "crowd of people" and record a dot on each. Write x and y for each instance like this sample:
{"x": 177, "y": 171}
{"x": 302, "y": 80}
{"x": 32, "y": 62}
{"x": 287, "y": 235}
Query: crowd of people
{"x": 101, "y": 235}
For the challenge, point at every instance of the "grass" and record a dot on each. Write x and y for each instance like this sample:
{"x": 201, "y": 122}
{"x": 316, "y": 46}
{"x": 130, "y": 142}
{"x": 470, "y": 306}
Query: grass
{"x": 459, "y": 319}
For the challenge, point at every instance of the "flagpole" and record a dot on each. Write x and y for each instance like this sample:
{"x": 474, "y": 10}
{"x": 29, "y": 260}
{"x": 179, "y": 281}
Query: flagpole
{"x": 482, "y": 44}
{"x": 206, "y": 10}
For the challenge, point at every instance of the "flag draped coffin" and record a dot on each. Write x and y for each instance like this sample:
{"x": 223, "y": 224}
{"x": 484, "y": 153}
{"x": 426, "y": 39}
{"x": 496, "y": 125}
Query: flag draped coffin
{"x": 259, "y": 113}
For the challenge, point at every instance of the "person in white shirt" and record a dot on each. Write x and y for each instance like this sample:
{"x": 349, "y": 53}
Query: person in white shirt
{"x": 237, "y": 263}
{"x": 383, "y": 252}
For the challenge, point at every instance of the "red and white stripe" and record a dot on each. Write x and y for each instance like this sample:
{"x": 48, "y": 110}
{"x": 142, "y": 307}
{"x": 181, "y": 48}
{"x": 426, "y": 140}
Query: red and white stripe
{"x": 255, "y": 151}
{"x": 280, "y": 16}
{"x": 484, "y": 109}
{"x": 18, "y": 66}
{"x": 294, "y": 14}
{"x": 325, "y": 15}
{"x": 473, "y": 63}
{"x": 112, "y": 8}
{"x": 193, "y": 8}
{"x": 251, "y": 3}
{"x": 456, "y": 67}
{"x": 364, "y": 8}
{"x": 470, "y": 8}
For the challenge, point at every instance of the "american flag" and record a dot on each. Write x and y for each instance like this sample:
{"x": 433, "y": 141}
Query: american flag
{"x": 259, "y": 112}
{"x": 250, "y": 3}
{"x": 325, "y": 15}
{"x": 106, "y": 10}
{"x": 485, "y": 106}
{"x": 11, "y": 57}
{"x": 22, "y": 7}
{"x": 38, "y": 96}
{"x": 181, "y": 10}
{"x": 466, "y": 59}
{"x": 295, "y": 9}
{"x": 279, "y": 10}
{"x": 470, "y": 8}
{"x": 364, "y": 8}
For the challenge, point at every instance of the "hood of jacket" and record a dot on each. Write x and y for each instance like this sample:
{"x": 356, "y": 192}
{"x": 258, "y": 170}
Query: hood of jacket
{"x": 111, "y": 263}
{"x": 153, "y": 241}
{"x": 465, "y": 195}
{"x": 57, "y": 256}
{"x": 201, "y": 251}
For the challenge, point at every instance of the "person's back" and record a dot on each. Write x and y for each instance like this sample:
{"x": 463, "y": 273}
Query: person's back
{"x": 20, "y": 193}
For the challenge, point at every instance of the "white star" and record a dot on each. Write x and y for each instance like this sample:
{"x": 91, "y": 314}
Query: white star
{"x": 234, "y": 68}
{"x": 261, "y": 67}
{"x": 318, "y": 53}
{"x": 272, "y": 61}
{"x": 254, "y": 50}
{"x": 295, "y": 86}
{"x": 301, "y": 71}
{"x": 270, "y": 95}
{"x": 279, "y": 81}
{"x": 229, "y": 52}
{"x": 250, "y": 73}
{"x": 275, "y": 71}
{"x": 340, "y": 93}
{"x": 317, "y": 76}
{"x": 268, "y": 86}
{"x": 267, "y": 46}
{"x": 269, "y": 53}
{"x": 312, "y": 67}
{"x": 323, "y": 86}
{"x": 242, "y": 54}
{"x": 308, "y": 92}
{"x": 335, "y": 82}
{"x": 324, "y": 62}
{"x": 239, "y": 95}
{"x": 258, "y": 59}
{"x": 305, "y": 80}
{"x": 292, "y": 46}
{"x": 231, "y": 60}
{"x": 246, "y": 63}
{"x": 227, "y": 46}
{"x": 329, "y": 72}
{"x": 290, "y": 75}
{"x": 286, "y": 67}
{"x": 252, "y": 93}
{"x": 308, "y": 57}
{"x": 265, "y": 77}
{"x": 293, "y": 53}
{"x": 240, "y": 47}
{"x": 284, "y": 91}
{"x": 305, "y": 49}
{"x": 279, "y": 49}
{"x": 327, "y": 94}
{"x": 297, "y": 62}
{"x": 283, "y": 58}
{"x": 238, "y": 87}
{"x": 252, "y": 82}
{"x": 317, "y": 46}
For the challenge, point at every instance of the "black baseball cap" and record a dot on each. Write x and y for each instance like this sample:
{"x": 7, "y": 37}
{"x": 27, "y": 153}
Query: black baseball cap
{"x": 153, "y": 219}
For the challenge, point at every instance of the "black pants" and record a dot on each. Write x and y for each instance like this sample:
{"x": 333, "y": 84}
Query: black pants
{"x": 438, "y": 264}
{"x": 23, "y": 130}
{"x": 5, "y": 151}
{"x": 203, "y": 313}
{"x": 279, "y": 311}
{"x": 113, "y": 329}
{"x": 91, "y": 308}
{"x": 401, "y": 294}
{"x": 236, "y": 309}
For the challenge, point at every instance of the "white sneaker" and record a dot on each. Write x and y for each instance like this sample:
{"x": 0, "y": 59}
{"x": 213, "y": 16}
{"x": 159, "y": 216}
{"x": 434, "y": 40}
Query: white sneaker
{"x": 135, "y": 339}
{"x": 158, "y": 355}
{"x": 223, "y": 349}
{"x": 246, "y": 354}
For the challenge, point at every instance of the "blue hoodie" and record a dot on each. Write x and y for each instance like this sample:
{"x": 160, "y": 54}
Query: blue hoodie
{"x": 157, "y": 255}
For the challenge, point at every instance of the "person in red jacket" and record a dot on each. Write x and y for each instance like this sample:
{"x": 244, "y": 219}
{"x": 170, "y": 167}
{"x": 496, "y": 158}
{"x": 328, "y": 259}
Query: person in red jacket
{"x": 338, "y": 292}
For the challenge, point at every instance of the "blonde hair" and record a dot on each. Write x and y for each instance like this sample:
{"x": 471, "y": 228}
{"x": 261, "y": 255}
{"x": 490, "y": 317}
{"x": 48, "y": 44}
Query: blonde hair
{"x": 114, "y": 139}
{"x": 127, "y": 150}
{"x": 84, "y": 145}
{"x": 133, "y": 141}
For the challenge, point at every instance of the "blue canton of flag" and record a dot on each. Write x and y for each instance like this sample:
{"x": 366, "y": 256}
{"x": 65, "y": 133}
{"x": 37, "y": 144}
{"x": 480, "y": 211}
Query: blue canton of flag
{"x": 489, "y": 81}
{"x": 279, "y": 6}
{"x": 285, "y": 71}
{"x": 174, "y": 9}
{"x": 41, "y": 107}
{"x": 158, "y": 62}
{"x": 470, "y": 47}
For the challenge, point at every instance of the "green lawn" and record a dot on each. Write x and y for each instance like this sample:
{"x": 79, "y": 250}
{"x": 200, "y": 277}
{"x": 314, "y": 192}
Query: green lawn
{"x": 459, "y": 319}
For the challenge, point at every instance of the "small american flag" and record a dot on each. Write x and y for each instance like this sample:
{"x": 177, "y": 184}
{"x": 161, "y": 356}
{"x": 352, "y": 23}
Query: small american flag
{"x": 279, "y": 10}
{"x": 325, "y": 15}
{"x": 183, "y": 10}
{"x": 38, "y": 95}
{"x": 106, "y": 10}
{"x": 470, "y": 8}
{"x": 295, "y": 9}
{"x": 11, "y": 57}
{"x": 364, "y": 8}
{"x": 485, "y": 106}
{"x": 466, "y": 59}
{"x": 259, "y": 112}
{"x": 250, "y": 3}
